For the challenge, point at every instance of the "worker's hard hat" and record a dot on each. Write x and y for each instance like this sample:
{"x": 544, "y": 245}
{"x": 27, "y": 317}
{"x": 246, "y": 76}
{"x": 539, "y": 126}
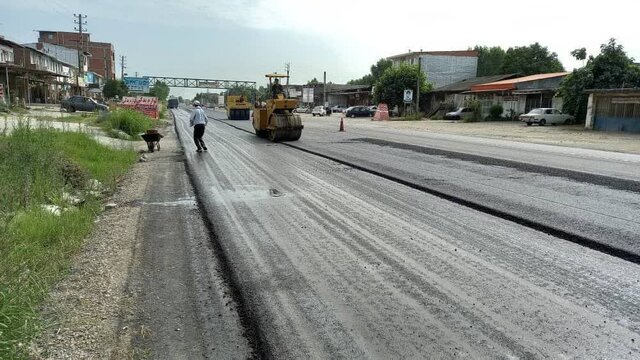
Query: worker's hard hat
{"x": 196, "y": 103}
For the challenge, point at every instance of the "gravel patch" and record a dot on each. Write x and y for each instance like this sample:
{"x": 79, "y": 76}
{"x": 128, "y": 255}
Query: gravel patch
{"x": 82, "y": 314}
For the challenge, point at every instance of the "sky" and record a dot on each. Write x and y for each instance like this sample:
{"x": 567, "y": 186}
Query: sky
{"x": 245, "y": 39}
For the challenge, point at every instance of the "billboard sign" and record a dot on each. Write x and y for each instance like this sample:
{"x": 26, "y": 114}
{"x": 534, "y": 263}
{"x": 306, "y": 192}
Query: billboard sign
{"x": 307, "y": 95}
{"x": 137, "y": 84}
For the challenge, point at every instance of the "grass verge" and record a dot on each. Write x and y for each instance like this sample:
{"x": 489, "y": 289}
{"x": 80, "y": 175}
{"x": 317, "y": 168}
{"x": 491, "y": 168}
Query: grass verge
{"x": 129, "y": 122}
{"x": 39, "y": 167}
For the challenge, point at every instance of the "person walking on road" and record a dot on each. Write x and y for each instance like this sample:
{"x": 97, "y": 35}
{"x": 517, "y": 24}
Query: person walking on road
{"x": 199, "y": 121}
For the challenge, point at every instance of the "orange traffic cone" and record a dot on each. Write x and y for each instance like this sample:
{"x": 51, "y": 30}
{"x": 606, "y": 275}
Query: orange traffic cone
{"x": 341, "y": 124}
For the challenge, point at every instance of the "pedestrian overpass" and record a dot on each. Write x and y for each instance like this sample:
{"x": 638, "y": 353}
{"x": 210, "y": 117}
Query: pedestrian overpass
{"x": 199, "y": 83}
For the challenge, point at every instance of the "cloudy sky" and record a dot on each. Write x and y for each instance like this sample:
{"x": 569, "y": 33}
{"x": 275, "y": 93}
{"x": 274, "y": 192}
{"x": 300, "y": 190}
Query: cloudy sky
{"x": 244, "y": 39}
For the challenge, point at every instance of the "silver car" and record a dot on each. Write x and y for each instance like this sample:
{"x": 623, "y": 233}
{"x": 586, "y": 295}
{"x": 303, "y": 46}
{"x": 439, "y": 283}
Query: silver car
{"x": 544, "y": 116}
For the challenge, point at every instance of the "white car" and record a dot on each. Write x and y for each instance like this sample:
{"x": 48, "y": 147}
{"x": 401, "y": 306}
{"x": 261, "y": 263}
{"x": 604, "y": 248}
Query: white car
{"x": 543, "y": 116}
{"x": 319, "y": 111}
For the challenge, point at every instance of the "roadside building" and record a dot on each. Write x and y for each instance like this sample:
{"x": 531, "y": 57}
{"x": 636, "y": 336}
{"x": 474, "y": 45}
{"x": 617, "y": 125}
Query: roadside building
{"x": 102, "y": 55}
{"x": 7, "y": 74}
{"x": 614, "y": 110}
{"x": 456, "y": 94}
{"x": 442, "y": 68}
{"x": 519, "y": 95}
{"x": 336, "y": 94}
{"x": 39, "y": 77}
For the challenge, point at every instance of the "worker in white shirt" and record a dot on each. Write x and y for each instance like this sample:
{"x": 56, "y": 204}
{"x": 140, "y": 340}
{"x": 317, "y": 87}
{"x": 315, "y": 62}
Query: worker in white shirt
{"x": 199, "y": 121}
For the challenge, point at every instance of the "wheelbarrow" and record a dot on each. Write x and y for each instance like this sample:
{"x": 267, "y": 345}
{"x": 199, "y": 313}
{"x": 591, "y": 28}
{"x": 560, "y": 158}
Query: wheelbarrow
{"x": 152, "y": 137}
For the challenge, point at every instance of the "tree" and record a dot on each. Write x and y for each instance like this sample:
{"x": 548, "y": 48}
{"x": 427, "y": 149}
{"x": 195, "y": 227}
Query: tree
{"x": 264, "y": 93}
{"x": 313, "y": 82}
{"x": 113, "y": 88}
{"x": 160, "y": 90}
{"x": 377, "y": 70}
{"x": 579, "y": 54}
{"x": 391, "y": 85}
{"x": 207, "y": 98}
{"x": 490, "y": 60}
{"x": 610, "y": 69}
{"x": 529, "y": 60}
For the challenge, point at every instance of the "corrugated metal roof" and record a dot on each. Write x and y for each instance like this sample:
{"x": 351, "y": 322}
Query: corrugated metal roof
{"x": 511, "y": 83}
{"x": 466, "y": 84}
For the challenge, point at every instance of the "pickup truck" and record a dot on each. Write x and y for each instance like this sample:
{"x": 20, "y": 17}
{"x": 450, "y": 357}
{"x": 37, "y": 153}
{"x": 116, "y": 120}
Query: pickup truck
{"x": 82, "y": 103}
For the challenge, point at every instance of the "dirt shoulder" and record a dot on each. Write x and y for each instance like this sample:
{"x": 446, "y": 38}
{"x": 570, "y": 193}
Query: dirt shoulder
{"x": 565, "y": 135}
{"x": 147, "y": 283}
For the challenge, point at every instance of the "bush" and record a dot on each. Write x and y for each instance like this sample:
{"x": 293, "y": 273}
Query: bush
{"x": 131, "y": 122}
{"x": 495, "y": 112}
{"x": 477, "y": 110}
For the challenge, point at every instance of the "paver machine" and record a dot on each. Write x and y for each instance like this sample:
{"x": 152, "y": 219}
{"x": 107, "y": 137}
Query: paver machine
{"x": 276, "y": 119}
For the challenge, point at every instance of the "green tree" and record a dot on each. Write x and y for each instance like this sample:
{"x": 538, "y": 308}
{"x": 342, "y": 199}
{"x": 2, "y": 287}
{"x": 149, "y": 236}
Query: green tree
{"x": 160, "y": 90}
{"x": 313, "y": 81}
{"x": 610, "y": 69}
{"x": 579, "y": 54}
{"x": 529, "y": 60}
{"x": 113, "y": 88}
{"x": 207, "y": 98}
{"x": 376, "y": 72}
{"x": 264, "y": 93}
{"x": 391, "y": 85}
{"x": 490, "y": 60}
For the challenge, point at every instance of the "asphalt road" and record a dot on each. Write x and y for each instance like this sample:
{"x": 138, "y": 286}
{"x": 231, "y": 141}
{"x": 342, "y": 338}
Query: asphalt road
{"x": 334, "y": 262}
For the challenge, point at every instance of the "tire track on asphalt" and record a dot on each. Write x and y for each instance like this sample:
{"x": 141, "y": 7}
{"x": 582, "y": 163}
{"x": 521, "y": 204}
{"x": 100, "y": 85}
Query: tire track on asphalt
{"x": 550, "y": 230}
{"x": 414, "y": 282}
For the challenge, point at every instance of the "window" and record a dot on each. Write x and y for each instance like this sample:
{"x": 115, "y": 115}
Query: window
{"x": 548, "y": 111}
{"x": 50, "y": 36}
{"x": 557, "y": 112}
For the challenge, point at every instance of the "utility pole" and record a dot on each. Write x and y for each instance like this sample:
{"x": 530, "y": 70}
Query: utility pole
{"x": 123, "y": 65}
{"x": 418, "y": 87}
{"x": 80, "y": 21}
{"x": 287, "y": 68}
{"x": 324, "y": 90}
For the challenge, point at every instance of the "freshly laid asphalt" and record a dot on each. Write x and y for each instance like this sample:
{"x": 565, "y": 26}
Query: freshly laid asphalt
{"x": 333, "y": 262}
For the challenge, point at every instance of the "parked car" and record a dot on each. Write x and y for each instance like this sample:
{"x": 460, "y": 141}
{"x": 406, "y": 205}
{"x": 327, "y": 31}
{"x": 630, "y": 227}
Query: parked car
{"x": 82, "y": 103}
{"x": 462, "y": 113}
{"x": 544, "y": 116}
{"x": 328, "y": 110}
{"x": 358, "y": 111}
{"x": 302, "y": 110}
{"x": 373, "y": 109}
{"x": 319, "y": 111}
{"x": 338, "y": 108}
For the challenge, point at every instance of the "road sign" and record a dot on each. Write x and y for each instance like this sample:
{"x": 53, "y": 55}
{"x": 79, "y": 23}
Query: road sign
{"x": 408, "y": 96}
{"x": 137, "y": 84}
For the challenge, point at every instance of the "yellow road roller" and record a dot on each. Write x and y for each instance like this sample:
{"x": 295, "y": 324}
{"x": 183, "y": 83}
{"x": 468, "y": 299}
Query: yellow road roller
{"x": 238, "y": 108}
{"x": 276, "y": 119}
